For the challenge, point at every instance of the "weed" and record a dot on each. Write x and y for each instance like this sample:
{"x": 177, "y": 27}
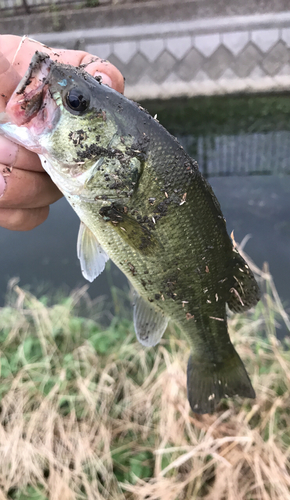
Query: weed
{"x": 87, "y": 413}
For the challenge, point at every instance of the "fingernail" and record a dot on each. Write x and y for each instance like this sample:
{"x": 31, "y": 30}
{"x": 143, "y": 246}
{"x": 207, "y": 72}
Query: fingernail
{"x": 106, "y": 80}
{"x": 2, "y": 185}
{"x": 8, "y": 151}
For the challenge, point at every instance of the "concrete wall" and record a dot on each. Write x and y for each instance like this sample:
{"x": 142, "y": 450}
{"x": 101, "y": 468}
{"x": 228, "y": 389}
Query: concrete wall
{"x": 167, "y": 49}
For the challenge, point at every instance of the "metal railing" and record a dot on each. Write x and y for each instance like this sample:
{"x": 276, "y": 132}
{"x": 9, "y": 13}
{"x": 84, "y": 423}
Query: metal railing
{"x": 241, "y": 154}
{"x": 18, "y": 7}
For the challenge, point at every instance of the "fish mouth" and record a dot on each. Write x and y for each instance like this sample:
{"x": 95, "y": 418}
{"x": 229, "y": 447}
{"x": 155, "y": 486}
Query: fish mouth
{"x": 31, "y": 104}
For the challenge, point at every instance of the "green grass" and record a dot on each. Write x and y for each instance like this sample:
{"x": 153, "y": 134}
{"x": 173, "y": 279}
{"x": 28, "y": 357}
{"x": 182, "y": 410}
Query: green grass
{"x": 88, "y": 413}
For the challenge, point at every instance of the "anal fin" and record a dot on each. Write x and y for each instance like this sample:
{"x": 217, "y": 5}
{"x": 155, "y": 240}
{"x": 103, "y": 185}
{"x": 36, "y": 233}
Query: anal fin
{"x": 149, "y": 323}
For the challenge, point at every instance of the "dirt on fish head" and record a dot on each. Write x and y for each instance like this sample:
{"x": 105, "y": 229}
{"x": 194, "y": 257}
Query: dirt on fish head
{"x": 76, "y": 123}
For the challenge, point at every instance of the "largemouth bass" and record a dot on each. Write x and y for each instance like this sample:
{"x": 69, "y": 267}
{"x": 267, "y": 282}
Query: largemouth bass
{"x": 143, "y": 203}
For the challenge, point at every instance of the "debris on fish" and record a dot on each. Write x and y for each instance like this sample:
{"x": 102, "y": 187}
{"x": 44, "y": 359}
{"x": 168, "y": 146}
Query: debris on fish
{"x": 143, "y": 203}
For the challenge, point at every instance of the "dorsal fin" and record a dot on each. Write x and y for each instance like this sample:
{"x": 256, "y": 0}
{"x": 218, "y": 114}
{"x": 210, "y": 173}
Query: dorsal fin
{"x": 244, "y": 292}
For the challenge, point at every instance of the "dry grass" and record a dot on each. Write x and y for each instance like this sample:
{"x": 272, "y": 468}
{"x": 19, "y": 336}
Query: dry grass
{"x": 87, "y": 413}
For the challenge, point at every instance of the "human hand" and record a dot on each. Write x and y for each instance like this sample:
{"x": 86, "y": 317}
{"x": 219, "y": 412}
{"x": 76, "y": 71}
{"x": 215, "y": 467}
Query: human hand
{"x": 26, "y": 191}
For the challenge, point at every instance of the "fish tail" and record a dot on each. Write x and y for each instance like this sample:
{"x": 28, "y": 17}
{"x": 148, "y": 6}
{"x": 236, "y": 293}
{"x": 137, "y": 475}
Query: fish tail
{"x": 244, "y": 292}
{"x": 208, "y": 382}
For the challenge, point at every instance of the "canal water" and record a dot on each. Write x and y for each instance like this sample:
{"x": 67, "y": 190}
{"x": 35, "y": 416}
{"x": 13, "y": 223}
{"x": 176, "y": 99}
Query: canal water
{"x": 242, "y": 145}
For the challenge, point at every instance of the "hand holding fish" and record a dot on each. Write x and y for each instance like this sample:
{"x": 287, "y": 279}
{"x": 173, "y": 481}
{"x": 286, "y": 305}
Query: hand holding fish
{"x": 26, "y": 191}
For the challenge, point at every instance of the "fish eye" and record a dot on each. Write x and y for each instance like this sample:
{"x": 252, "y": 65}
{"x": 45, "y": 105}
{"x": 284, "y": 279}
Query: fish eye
{"x": 77, "y": 101}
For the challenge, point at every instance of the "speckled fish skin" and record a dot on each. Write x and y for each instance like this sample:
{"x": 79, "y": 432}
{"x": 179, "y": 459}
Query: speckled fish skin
{"x": 155, "y": 216}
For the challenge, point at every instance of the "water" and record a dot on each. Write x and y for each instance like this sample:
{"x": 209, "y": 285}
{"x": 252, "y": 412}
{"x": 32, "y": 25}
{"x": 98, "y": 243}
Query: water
{"x": 260, "y": 206}
{"x": 242, "y": 145}
{"x": 45, "y": 258}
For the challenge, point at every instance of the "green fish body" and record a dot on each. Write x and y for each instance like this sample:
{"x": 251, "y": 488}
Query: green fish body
{"x": 143, "y": 203}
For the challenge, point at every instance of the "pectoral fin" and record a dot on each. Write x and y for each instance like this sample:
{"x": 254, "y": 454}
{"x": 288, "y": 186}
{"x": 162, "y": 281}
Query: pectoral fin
{"x": 92, "y": 257}
{"x": 149, "y": 323}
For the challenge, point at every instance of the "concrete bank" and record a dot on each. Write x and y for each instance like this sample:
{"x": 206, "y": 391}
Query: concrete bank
{"x": 167, "y": 49}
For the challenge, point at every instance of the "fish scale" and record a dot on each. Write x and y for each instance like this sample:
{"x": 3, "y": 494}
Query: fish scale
{"x": 143, "y": 203}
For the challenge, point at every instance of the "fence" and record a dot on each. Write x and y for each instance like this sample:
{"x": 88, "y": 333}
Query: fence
{"x": 18, "y": 7}
{"x": 241, "y": 154}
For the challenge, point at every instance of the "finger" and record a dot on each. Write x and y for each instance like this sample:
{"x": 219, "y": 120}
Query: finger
{"x": 22, "y": 219}
{"x": 13, "y": 155}
{"x": 2, "y": 185}
{"x": 27, "y": 189}
{"x": 20, "y": 51}
{"x": 96, "y": 66}
{"x": 9, "y": 79}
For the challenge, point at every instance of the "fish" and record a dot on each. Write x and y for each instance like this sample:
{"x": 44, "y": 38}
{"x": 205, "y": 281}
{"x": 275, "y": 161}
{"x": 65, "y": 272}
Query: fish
{"x": 143, "y": 203}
